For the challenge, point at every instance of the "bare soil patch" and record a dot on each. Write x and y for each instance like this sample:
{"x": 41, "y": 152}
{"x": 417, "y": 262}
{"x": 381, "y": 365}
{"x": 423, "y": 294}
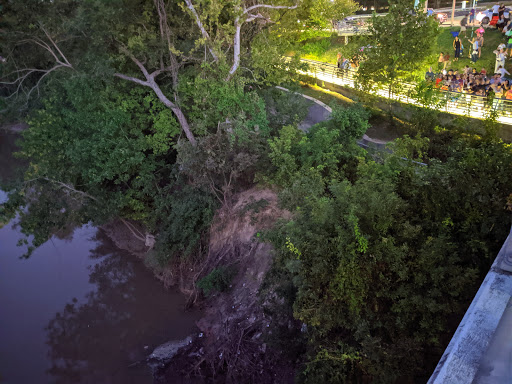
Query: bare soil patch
{"x": 230, "y": 348}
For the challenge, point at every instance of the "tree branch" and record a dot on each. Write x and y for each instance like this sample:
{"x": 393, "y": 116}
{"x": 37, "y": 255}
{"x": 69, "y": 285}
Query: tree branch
{"x": 151, "y": 83}
{"x": 201, "y": 27}
{"x": 67, "y": 186}
{"x": 22, "y": 74}
{"x": 55, "y": 45}
{"x": 132, "y": 79}
{"x": 165, "y": 33}
{"x": 238, "y": 27}
{"x": 136, "y": 61}
{"x": 269, "y": 6}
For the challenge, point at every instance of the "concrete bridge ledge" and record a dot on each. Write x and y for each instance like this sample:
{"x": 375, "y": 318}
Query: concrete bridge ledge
{"x": 483, "y": 337}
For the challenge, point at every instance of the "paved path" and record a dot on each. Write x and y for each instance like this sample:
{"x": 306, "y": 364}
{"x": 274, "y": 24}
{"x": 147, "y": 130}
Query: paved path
{"x": 316, "y": 114}
{"x": 319, "y": 112}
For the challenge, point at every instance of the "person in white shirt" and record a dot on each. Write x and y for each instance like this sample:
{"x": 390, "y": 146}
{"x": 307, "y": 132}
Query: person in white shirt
{"x": 496, "y": 9}
{"x": 500, "y": 59}
{"x": 502, "y": 71}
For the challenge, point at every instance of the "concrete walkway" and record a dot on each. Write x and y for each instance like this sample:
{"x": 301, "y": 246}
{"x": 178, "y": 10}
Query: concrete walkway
{"x": 319, "y": 112}
{"x": 316, "y": 114}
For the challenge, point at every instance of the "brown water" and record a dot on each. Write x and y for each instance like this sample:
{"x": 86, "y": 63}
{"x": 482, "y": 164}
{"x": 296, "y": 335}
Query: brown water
{"x": 80, "y": 310}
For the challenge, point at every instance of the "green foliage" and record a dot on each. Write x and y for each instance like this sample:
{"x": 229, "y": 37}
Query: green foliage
{"x": 491, "y": 125}
{"x": 105, "y": 152}
{"x": 316, "y": 48}
{"x": 225, "y": 161}
{"x": 410, "y": 148}
{"x": 316, "y": 15}
{"x": 401, "y": 41}
{"x": 218, "y": 280}
{"x": 184, "y": 215}
{"x": 212, "y": 102}
{"x": 91, "y": 135}
{"x": 379, "y": 263}
{"x": 322, "y": 152}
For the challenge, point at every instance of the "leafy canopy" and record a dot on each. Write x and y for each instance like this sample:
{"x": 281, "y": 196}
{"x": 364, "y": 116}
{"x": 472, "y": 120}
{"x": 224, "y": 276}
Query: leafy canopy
{"x": 400, "y": 43}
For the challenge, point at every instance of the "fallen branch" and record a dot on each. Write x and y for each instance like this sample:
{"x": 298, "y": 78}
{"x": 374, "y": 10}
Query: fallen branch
{"x": 23, "y": 74}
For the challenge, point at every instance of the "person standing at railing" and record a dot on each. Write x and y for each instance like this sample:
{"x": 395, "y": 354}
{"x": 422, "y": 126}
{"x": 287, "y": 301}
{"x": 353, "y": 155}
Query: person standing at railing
{"x": 502, "y": 71}
{"x": 501, "y": 23}
{"x": 343, "y": 66}
{"x": 446, "y": 61}
{"x": 509, "y": 42}
{"x": 463, "y": 24}
{"x": 355, "y": 61}
{"x": 480, "y": 39}
{"x": 505, "y": 86}
{"x": 496, "y": 10}
{"x": 430, "y": 75}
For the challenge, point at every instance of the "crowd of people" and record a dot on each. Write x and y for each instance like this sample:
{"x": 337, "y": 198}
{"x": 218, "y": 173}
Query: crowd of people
{"x": 470, "y": 80}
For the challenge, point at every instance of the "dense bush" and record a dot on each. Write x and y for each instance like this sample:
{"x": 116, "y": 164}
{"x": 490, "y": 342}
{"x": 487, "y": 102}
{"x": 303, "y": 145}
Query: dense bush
{"x": 183, "y": 216}
{"x": 380, "y": 263}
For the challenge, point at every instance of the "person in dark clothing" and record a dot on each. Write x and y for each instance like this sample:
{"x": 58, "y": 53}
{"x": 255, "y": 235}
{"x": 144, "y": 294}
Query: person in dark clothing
{"x": 456, "y": 47}
{"x": 463, "y": 24}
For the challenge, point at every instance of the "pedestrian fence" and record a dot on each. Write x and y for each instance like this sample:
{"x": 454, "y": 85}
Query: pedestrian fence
{"x": 458, "y": 103}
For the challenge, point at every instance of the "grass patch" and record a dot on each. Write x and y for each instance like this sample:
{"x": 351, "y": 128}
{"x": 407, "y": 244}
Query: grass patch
{"x": 492, "y": 38}
{"x": 326, "y": 49}
{"x": 326, "y": 96}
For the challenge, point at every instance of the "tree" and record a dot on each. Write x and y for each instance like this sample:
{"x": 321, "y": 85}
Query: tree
{"x": 380, "y": 261}
{"x": 149, "y": 38}
{"x": 400, "y": 43}
{"x": 241, "y": 13}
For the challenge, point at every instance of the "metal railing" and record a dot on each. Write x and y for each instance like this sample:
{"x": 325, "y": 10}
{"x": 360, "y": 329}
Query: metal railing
{"x": 458, "y": 103}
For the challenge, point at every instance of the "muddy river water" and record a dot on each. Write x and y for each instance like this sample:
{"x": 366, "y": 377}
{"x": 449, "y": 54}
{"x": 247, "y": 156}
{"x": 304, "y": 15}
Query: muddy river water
{"x": 79, "y": 310}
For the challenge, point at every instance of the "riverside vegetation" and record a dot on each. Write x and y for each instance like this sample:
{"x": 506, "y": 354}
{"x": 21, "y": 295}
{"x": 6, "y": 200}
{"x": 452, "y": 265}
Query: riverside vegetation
{"x": 163, "y": 113}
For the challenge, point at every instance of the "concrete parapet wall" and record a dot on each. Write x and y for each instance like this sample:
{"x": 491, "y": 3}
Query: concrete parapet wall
{"x": 462, "y": 360}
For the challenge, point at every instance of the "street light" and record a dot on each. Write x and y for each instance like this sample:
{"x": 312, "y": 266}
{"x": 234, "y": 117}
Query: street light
{"x": 453, "y": 12}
